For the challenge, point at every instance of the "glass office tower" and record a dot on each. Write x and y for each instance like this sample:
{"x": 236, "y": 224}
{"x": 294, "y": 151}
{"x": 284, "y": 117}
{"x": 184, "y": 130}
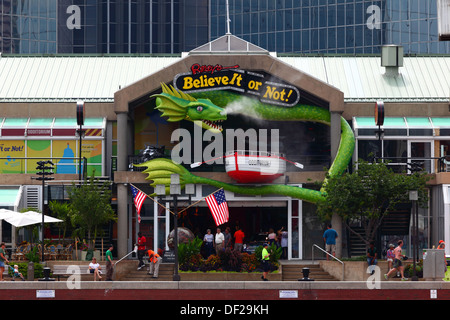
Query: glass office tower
{"x": 331, "y": 26}
{"x": 102, "y": 26}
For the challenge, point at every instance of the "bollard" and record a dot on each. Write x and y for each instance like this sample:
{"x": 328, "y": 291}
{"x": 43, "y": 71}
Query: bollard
{"x": 46, "y": 272}
{"x": 30, "y": 271}
{"x": 305, "y": 272}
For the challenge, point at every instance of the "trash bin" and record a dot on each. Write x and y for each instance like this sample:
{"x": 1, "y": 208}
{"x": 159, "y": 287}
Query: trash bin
{"x": 434, "y": 264}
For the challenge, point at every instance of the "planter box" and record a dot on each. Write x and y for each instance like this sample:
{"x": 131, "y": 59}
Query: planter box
{"x": 96, "y": 255}
{"x": 354, "y": 270}
{"x": 225, "y": 276}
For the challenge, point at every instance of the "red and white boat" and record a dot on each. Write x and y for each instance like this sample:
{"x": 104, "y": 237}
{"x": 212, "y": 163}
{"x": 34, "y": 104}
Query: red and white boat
{"x": 254, "y": 166}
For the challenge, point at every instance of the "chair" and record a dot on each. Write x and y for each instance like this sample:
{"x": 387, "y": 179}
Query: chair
{"x": 59, "y": 249}
{"x": 67, "y": 252}
{"x": 19, "y": 254}
{"x": 46, "y": 254}
{"x": 52, "y": 251}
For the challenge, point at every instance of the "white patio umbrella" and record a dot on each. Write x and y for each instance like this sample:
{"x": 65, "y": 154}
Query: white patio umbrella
{"x": 27, "y": 218}
{"x": 5, "y": 213}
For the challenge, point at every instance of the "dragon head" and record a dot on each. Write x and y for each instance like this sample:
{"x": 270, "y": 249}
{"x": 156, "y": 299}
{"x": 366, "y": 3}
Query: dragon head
{"x": 177, "y": 106}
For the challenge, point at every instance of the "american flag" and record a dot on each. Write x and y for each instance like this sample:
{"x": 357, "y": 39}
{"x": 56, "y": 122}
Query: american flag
{"x": 138, "y": 198}
{"x": 218, "y": 206}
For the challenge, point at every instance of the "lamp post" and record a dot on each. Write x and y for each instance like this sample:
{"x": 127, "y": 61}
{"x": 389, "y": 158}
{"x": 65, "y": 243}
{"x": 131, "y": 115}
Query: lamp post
{"x": 42, "y": 171}
{"x": 414, "y": 196}
{"x": 80, "y": 132}
{"x": 379, "y": 121}
{"x": 175, "y": 191}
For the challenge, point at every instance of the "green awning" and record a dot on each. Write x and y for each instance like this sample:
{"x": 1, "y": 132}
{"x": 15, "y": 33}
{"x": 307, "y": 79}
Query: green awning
{"x": 9, "y": 196}
{"x": 441, "y": 122}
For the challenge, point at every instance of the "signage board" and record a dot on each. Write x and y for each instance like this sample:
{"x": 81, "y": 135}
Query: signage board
{"x": 218, "y": 77}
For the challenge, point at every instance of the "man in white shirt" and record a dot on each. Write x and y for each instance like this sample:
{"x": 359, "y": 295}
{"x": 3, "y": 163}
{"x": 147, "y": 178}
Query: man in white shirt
{"x": 219, "y": 240}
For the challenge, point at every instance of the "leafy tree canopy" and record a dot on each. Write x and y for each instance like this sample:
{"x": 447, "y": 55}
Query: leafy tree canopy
{"x": 368, "y": 194}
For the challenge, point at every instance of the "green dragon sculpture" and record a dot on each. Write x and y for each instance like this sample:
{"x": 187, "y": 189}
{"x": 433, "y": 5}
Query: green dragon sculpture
{"x": 199, "y": 108}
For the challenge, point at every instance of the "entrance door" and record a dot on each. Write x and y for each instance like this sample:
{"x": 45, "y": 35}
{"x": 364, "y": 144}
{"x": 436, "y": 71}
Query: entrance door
{"x": 295, "y": 244}
{"x": 420, "y": 154}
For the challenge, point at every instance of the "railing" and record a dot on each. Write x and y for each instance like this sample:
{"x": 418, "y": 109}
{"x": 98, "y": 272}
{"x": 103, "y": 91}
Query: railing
{"x": 343, "y": 265}
{"x": 115, "y": 264}
{"x": 414, "y": 164}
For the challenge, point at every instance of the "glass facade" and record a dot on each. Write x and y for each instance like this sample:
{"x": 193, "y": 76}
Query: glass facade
{"x": 105, "y": 26}
{"x": 28, "y": 26}
{"x": 331, "y": 26}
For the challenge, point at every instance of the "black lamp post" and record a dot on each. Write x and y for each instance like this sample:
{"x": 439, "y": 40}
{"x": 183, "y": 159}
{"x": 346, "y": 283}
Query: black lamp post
{"x": 379, "y": 121}
{"x": 80, "y": 132}
{"x": 175, "y": 191}
{"x": 413, "y": 196}
{"x": 44, "y": 170}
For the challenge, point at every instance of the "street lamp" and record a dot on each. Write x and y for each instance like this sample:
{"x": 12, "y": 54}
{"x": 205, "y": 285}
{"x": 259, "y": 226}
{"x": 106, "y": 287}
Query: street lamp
{"x": 414, "y": 196}
{"x": 379, "y": 121}
{"x": 80, "y": 132}
{"x": 175, "y": 191}
{"x": 44, "y": 171}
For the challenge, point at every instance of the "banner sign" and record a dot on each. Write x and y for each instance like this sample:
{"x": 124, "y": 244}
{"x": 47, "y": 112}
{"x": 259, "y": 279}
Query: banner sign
{"x": 218, "y": 77}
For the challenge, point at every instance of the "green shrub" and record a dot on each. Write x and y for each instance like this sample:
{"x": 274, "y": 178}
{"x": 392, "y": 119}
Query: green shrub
{"x": 23, "y": 269}
{"x": 186, "y": 250}
{"x": 231, "y": 260}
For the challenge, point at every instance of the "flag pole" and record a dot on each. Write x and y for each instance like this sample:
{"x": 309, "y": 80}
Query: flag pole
{"x": 199, "y": 200}
{"x": 153, "y": 199}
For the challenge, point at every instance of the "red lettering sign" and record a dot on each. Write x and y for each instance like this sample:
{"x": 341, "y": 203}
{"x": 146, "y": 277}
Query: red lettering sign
{"x": 197, "y": 68}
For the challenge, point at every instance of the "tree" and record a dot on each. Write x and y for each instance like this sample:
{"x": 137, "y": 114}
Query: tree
{"x": 368, "y": 194}
{"x": 91, "y": 208}
{"x": 63, "y": 212}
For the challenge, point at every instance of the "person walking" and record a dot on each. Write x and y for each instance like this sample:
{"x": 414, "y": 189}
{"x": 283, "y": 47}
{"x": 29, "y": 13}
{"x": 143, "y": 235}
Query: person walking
{"x": 329, "y": 237}
{"x": 265, "y": 256}
{"x": 141, "y": 243}
{"x": 390, "y": 255}
{"x": 155, "y": 260}
{"x": 397, "y": 264}
{"x": 3, "y": 260}
{"x": 109, "y": 263}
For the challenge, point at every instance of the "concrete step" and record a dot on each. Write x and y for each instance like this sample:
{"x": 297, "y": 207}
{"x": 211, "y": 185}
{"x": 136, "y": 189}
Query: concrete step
{"x": 294, "y": 272}
{"x": 165, "y": 274}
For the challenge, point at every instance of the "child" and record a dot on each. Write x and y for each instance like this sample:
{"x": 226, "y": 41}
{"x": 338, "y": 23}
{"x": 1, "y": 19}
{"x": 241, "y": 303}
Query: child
{"x": 16, "y": 273}
{"x": 390, "y": 256}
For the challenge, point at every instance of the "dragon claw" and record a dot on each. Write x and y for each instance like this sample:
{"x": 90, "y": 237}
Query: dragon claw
{"x": 160, "y": 170}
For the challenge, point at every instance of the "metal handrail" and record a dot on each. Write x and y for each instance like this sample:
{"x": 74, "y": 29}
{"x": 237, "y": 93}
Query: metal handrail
{"x": 343, "y": 265}
{"x": 115, "y": 264}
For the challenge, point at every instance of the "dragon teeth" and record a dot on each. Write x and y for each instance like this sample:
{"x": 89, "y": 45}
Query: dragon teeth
{"x": 213, "y": 124}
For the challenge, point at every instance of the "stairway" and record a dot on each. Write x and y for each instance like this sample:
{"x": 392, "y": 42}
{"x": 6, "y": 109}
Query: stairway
{"x": 293, "y": 272}
{"x": 357, "y": 246}
{"x": 290, "y": 272}
{"x": 165, "y": 274}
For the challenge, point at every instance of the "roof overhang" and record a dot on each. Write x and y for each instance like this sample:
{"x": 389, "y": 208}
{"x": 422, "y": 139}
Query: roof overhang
{"x": 141, "y": 90}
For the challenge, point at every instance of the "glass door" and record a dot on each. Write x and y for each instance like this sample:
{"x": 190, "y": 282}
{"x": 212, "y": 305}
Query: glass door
{"x": 295, "y": 237}
{"x": 420, "y": 154}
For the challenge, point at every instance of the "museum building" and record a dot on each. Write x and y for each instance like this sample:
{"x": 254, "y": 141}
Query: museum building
{"x": 132, "y": 107}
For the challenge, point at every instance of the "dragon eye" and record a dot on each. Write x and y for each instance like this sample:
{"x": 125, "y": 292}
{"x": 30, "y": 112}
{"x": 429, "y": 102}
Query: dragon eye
{"x": 199, "y": 108}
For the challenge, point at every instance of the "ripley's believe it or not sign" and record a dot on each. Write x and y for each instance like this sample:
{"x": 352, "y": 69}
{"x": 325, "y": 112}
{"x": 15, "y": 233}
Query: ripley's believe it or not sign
{"x": 218, "y": 77}
{"x": 203, "y": 96}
